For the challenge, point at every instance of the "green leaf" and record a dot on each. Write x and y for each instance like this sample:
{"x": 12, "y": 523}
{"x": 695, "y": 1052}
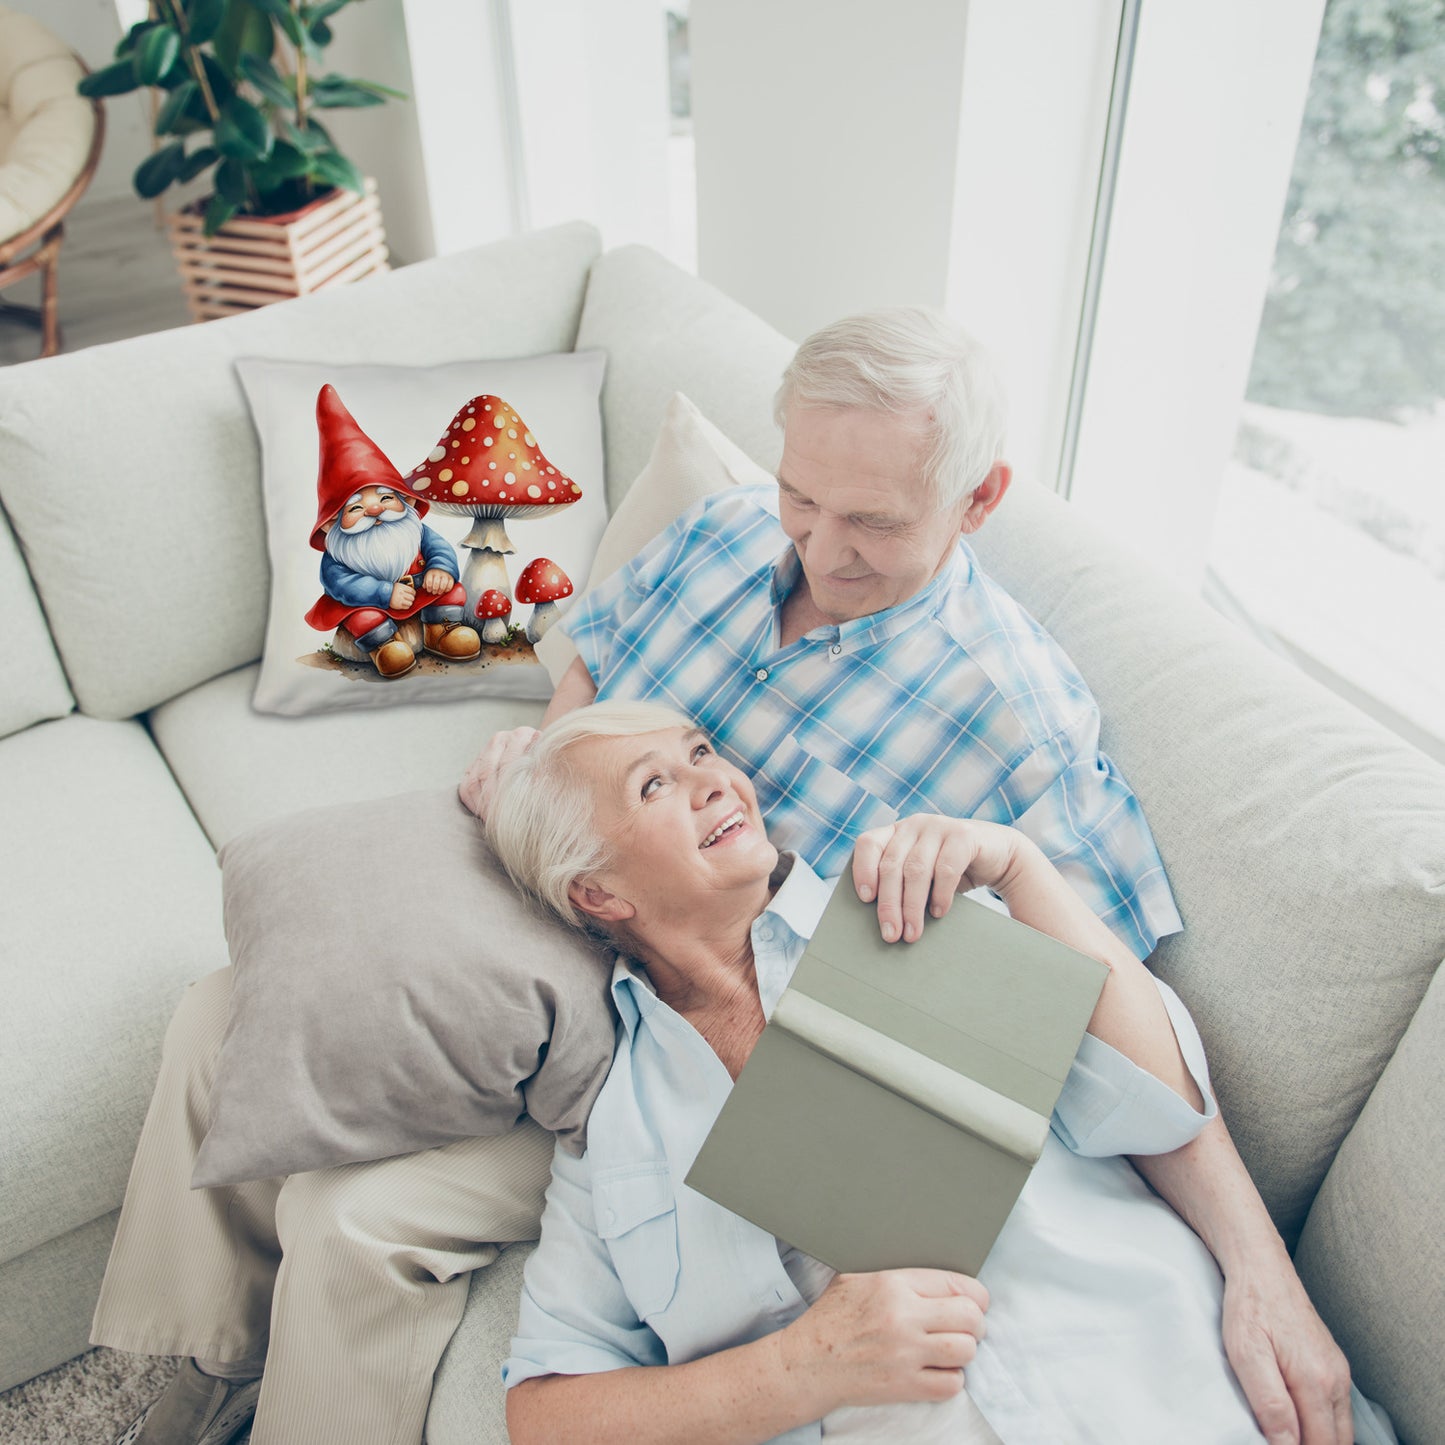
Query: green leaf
{"x": 157, "y": 171}
{"x": 313, "y": 140}
{"x": 277, "y": 88}
{"x": 231, "y": 182}
{"x": 242, "y": 132}
{"x": 285, "y": 17}
{"x": 197, "y": 161}
{"x": 287, "y": 163}
{"x": 175, "y": 105}
{"x": 333, "y": 92}
{"x": 218, "y": 212}
{"x": 244, "y": 31}
{"x": 377, "y": 88}
{"x": 319, "y": 33}
{"x": 324, "y": 11}
{"x": 333, "y": 168}
{"x": 158, "y": 50}
{"x": 222, "y": 85}
{"x": 117, "y": 79}
{"x": 203, "y": 19}
{"x": 131, "y": 38}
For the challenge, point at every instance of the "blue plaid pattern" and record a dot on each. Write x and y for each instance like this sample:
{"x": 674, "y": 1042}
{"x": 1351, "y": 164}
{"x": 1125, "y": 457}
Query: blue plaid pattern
{"x": 954, "y": 702}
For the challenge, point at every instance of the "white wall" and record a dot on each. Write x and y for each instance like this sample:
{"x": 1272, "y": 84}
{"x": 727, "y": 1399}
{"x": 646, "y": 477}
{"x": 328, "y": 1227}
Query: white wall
{"x": 827, "y": 146}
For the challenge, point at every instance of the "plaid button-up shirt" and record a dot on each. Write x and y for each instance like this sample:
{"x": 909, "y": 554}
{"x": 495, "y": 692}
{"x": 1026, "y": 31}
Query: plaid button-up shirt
{"x": 954, "y": 702}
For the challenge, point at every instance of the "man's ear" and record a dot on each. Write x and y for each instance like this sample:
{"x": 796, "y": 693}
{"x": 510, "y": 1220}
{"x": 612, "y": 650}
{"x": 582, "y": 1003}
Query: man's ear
{"x": 596, "y": 902}
{"x": 986, "y": 496}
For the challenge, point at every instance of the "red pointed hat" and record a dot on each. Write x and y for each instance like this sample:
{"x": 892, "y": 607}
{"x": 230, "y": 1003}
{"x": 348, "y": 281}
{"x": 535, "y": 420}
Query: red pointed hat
{"x": 350, "y": 460}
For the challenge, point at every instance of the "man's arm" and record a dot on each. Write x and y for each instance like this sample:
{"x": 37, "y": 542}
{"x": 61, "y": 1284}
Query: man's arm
{"x": 575, "y": 690}
{"x": 1295, "y": 1377}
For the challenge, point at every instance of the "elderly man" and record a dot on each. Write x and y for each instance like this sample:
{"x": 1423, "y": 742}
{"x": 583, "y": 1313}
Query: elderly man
{"x": 839, "y": 642}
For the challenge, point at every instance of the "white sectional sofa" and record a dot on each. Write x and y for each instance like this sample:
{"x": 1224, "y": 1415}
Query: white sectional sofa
{"x": 1305, "y": 845}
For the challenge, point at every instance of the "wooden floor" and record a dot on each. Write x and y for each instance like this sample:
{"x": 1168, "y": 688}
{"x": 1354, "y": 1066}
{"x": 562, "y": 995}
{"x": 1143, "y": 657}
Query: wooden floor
{"x": 117, "y": 279}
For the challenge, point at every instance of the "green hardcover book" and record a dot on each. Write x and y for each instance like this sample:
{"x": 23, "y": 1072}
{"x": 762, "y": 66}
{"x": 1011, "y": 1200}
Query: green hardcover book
{"x": 900, "y": 1094}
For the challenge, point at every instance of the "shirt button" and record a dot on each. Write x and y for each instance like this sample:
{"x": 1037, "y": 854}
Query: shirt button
{"x": 836, "y": 648}
{"x": 761, "y": 674}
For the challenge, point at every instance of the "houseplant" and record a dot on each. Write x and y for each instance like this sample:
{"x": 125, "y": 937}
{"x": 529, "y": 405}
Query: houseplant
{"x": 239, "y": 85}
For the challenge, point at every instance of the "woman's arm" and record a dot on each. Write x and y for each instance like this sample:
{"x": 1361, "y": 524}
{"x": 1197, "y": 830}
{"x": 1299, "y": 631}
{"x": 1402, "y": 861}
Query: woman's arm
{"x": 870, "y": 1339}
{"x": 916, "y": 866}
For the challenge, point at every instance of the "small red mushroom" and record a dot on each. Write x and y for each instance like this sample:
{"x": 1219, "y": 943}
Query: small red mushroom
{"x": 494, "y": 607}
{"x": 542, "y": 583}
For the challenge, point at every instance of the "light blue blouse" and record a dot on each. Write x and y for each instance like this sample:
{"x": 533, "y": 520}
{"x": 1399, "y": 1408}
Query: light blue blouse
{"x": 1105, "y": 1316}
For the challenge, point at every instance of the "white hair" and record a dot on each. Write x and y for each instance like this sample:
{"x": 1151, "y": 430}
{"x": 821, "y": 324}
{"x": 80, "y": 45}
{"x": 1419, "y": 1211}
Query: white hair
{"x": 908, "y": 360}
{"x": 385, "y": 550}
{"x": 542, "y": 819}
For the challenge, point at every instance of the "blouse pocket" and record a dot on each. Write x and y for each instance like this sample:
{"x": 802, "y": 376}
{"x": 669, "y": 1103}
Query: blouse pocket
{"x": 637, "y": 1217}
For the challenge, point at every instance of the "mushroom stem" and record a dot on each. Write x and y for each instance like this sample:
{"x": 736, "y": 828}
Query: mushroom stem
{"x": 544, "y": 614}
{"x": 485, "y": 569}
{"x": 494, "y": 630}
{"x": 490, "y": 533}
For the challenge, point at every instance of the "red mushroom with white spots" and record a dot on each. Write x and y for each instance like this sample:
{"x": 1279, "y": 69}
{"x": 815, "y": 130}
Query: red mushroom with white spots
{"x": 542, "y": 583}
{"x": 493, "y": 609}
{"x": 488, "y": 466}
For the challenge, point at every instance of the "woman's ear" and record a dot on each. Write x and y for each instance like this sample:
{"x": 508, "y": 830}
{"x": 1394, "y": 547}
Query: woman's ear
{"x": 596, "y": 902}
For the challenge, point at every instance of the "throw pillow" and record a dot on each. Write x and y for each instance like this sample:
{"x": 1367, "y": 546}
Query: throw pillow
{"x": 422, "y": 523}
{"x": 371, "y": 1016}
{"x": 691, "y": 459}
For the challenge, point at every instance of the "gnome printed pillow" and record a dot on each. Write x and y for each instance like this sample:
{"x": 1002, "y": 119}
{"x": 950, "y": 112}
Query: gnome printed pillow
{"x": 433, "y": 553}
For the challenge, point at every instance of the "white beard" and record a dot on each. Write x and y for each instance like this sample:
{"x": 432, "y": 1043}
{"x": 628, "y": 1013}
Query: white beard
{"x": 383, "y": 549}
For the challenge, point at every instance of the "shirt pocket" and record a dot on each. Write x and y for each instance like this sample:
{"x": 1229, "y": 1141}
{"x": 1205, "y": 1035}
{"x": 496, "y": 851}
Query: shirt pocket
{"x": 636, "y": 1212}
{"x": 815, "y": 808}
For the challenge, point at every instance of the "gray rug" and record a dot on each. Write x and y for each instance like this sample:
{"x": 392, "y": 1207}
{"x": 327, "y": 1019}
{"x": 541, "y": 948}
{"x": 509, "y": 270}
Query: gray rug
{"x": 86, "y": 1402}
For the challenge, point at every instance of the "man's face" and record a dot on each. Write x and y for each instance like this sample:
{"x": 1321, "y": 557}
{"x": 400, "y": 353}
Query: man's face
{"x": 369, "y": 507}
{"x": 852, "y": 499}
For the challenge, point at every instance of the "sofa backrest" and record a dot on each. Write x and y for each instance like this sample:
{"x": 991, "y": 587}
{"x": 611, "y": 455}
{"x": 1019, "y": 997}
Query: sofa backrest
{"x": 131, "y": 472}
{"x": 35, "y": 688}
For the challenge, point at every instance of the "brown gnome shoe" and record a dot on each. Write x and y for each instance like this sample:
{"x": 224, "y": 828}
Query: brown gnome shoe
{"x": 393, "y": 658}
{"x": 194, "y": 1410}
{"x": 451, "y": 639}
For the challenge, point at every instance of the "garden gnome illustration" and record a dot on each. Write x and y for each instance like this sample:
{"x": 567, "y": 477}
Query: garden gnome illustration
{"x": 382, "y": 565}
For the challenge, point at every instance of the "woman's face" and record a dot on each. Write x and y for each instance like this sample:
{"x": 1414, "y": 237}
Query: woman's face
{"x": 682, "y": 825}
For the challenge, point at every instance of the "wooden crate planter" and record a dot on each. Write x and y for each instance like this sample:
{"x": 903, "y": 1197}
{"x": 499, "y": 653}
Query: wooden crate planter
{"x": 255, "y": 260}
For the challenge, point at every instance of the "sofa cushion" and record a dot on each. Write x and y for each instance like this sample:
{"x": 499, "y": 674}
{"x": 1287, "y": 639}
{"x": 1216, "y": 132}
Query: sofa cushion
{"x": 35, "y": 682}
{"x": 174, "y": 581}
{"x": 239, "y": 768}
{"x": 1372, "y": 1254}
{"x": 380, "y": 1008}
{"x": 664, "y": 331}
{"x": 110, "y": 906}
{"x": 380, "y": 426}
{"x": 1301, "y": 840}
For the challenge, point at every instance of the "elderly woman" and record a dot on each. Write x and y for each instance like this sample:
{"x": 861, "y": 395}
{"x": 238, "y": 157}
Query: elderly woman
{"x": 653, "y": 1314}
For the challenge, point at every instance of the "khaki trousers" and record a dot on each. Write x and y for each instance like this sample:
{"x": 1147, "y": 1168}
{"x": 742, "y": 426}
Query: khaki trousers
{"x": 350, "y": 1281}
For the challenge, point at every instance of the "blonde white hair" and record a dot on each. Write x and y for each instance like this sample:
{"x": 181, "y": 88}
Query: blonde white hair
{"x": 542, "y": 819}
{"x": 908, "y": 360}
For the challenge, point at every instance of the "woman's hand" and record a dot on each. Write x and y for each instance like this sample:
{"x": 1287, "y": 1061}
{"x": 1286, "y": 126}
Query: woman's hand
{"x": 475, "y": 788}
{"x": 918, "y": 864}
{"x": 897, "y": 1335}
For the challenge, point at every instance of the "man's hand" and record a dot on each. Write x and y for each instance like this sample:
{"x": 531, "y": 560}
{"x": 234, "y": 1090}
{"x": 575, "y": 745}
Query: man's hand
{"x": 402, "y": 596}
{"x": 1295, "y": 1377}
{"x": 916, "y": 865}
{"x": 436, "y": 581}
{"x": 476, "y": 785}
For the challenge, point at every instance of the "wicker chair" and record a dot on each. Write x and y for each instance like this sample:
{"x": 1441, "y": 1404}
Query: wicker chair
{"x": 50, "y": 140}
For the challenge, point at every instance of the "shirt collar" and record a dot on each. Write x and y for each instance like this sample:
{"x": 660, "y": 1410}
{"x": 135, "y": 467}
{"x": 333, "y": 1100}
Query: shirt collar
{"x": 878, "y": 626}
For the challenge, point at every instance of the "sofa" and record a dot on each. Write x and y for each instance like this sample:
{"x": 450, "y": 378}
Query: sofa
{"x": 1305, "y": 845}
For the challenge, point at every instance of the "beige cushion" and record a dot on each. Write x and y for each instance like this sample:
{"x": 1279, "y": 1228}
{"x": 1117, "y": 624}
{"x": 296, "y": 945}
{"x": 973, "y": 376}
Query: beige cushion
{"x": 110, "y": 905}
{"x": 1373, "y": 1250}
{"x": 1302, "y": 842}
{"x": 392, "y": 993}
{"x": 161, "y": 419}
{"x": 46, "y": 134}
{"x": 35, "y": 683}
{"x": 691, "y": 459}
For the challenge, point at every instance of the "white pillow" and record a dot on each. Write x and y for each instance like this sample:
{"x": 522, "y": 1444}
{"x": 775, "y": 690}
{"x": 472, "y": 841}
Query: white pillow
{"x": 405, "y": 412}
{"x": 691, "y": 459}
